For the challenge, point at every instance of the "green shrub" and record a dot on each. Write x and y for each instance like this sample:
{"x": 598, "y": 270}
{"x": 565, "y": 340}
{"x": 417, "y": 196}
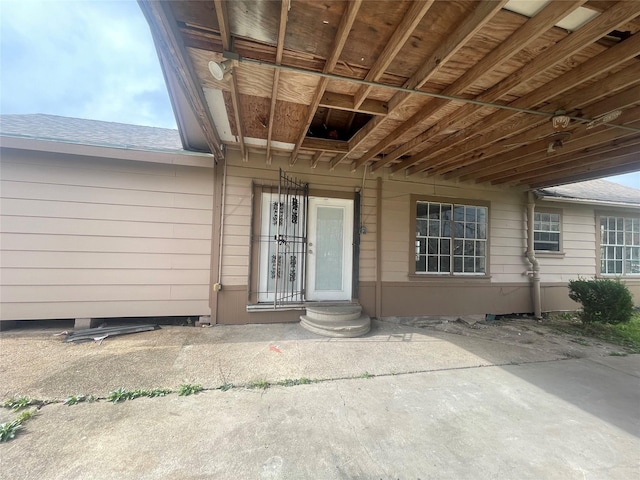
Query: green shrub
{"x": 603, "y": 300}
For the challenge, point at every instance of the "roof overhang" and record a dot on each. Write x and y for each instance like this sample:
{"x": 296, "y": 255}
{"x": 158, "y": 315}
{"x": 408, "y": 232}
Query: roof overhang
{"x": 460, "y": 89}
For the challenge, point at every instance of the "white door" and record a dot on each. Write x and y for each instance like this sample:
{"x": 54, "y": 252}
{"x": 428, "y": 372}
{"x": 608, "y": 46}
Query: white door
{"x": 329, "y": 249}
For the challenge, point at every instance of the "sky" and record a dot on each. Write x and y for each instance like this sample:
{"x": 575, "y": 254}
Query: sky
{"x": 91, "y": 59}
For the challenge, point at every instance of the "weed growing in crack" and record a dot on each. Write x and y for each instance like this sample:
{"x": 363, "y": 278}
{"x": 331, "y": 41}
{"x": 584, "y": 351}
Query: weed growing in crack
{"x": 75, "y": 399}
{"x": 225, "y": 386}
{"x": 292, "y": 382}
{"x": 189, "y": 389}
{"x": 259, "y": 384}
{"x": 121, "y": 394}
{"x": 8, "y": 430}
{"x": 20, "y": 402}
{"x": 366, "y": 375}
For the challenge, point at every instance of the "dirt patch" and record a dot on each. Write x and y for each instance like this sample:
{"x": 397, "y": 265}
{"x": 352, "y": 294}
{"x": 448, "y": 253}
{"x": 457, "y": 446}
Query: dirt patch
{"x": 552, "y": 335}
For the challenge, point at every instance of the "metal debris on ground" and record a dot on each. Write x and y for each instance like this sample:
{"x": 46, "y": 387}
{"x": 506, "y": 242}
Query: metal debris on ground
{"x": 101, "y": 333}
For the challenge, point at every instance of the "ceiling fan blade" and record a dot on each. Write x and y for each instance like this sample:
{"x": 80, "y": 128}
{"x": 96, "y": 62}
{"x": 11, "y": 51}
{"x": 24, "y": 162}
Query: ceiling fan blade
{"x": 607, "y": 117}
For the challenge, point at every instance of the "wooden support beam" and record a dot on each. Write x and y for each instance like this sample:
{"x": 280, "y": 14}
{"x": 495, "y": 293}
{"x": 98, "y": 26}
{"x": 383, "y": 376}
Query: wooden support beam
{"x": 401, "y": 34}
{"x": 284, "y": 10}
{"x": 629, "y": 165}
{"x": 520, "y": 39}
{"x": 225, "y": 34}
{"x": 501, "y": 160}
{"x": 603, "y": 161}
{"x": 568, "y": 161}
{"x": 324, "y": 144}
{"x": 482, "y": 14}
{"x": 315, "y": 159}
{"x": 346, "y": 22}
{"x": 608, "y": 59}
{"x": 617, "y": 15}
{"x": 174, "y": 55}
{"x": 339, "y": 101}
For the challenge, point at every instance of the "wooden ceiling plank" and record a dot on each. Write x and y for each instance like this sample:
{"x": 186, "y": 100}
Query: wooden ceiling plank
{"x": 588, "y": 167}
{"x": 614, "y": 82}
{"x": 590, "y": 157}
{"x": 523, "y": 36}
{"x": 282, "y": 28}
{"x": 324, "y": 144}
{"x": 403, "y": 31}
{"x": 617, "y": 15}
{"x": 339, "y": 101}
{"x": 478, "y": 18}
{"x": 633, "y": 165}
{"x": 223, "y": 22}
{"x": 346, "y": 22}
{"x": 593, "y": 67}
{"x": 585, "y": 142}
{"x": 537, "y": 147}
{"x": 225, "y": 34}
{"x": 168, "y": 39}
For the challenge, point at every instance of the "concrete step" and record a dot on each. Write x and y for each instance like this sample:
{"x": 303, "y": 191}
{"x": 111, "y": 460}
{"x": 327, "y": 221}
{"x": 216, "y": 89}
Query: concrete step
{"x": 332, "y": 328}
{"x": 338, "y": 313}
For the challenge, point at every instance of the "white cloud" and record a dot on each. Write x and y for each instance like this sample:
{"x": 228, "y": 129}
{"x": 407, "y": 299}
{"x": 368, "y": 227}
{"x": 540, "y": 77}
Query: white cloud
{"x": 88, "y": 59}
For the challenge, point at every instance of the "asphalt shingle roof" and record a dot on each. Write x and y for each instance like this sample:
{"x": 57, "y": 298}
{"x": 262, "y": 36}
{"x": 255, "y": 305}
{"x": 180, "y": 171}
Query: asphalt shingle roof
{"x": 90, "y": 132}
{"x": 598, "y": 190}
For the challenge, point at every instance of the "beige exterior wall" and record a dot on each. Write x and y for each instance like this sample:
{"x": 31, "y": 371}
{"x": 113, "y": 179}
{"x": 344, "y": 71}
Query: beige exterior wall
{"x": 237, "y": 211}
{"x": 506, "y": 288}
{"x": 102, "y": 237}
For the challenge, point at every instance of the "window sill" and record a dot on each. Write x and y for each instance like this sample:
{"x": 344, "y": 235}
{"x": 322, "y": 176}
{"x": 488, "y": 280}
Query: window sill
{"x": 437, "y": 277}
{"x": 543, "y": 254}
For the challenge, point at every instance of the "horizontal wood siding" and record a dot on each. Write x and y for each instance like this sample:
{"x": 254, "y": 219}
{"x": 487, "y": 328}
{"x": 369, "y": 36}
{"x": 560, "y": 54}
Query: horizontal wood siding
{"x": 579, "y": 240}
{"x": 237, "y": 228}
{"x": 507, "y": 242}
{"x": 98, "y": 237}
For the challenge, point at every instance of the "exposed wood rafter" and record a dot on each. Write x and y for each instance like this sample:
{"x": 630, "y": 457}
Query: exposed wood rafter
{"x": 225, "y": 34}
{"x": 402, "y": 33}
{"x": 591, "y": 32}
{"x": 591, "y": 68}
{"x": 282, "y": 27}
{"x": 522, "y": 37}
{"x": 165, "y": 31}
{"x": 344, "y": 28}
{"x": 483, "y": 12}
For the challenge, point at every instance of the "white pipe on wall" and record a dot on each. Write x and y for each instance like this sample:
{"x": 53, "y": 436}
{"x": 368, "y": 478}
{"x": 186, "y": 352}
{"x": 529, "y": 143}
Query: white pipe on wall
{"x": 531, "y": 256}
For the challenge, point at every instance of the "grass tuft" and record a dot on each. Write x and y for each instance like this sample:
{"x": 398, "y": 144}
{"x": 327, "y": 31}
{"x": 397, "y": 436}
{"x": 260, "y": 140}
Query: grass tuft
{"x": 189, "y": 389}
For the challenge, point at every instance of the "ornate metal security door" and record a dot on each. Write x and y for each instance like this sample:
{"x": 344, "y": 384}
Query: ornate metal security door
{"x": 283, "y": 241}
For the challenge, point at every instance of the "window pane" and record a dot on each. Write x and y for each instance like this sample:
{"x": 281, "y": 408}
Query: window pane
{"x": 480, "y": 249}
{"x": 422, "y": 210}
{"x": 445, "y": 212}
{"x": 434, "y": 228}
{"x": 480, "y": 265}
{"x": 434, "y": 211}
{"x": 433, "y": 246}
{"x": 421, "y": 227}
{"x": 445, "y": 263}
{"x": 469, "y": 265}
{"x": 482, "y": 231}
{"x": 445, "y": 247}
{"x": 432, "y": 264}
{"x": 457, "y": 247}
{"x": 458, "y": 230}
{"x": 421, "y": 264}
{"x": 468, "y": 247}
{"x": 457, "y": 264}
{"x": 458, "y": 213}
{"x": 470, "y": 214}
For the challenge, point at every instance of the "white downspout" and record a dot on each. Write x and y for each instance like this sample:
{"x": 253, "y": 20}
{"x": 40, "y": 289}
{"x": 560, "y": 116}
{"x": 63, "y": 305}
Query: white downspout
{"x": 535, "y": 265}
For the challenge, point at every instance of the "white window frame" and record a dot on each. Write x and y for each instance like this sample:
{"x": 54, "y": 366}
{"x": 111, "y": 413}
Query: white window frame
{"x": 464, "y": 218}
{"x": 543, "y": 225}
{"x": 619, "y": 245}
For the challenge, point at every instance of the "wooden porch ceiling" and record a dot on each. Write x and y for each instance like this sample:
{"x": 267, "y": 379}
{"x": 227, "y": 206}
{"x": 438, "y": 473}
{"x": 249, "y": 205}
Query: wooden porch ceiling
{"x": 461, "y": 89}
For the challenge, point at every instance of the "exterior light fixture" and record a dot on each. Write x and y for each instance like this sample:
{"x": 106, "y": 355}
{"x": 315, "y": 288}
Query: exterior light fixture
{"x": 218, "y": 69}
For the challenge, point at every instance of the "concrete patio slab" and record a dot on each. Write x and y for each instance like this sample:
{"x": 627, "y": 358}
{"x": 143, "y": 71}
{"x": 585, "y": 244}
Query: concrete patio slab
{"x": 439, "y": 405}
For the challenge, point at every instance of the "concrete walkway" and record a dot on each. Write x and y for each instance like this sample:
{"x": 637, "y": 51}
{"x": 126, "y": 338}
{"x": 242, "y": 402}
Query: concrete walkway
{"x": 438, "y": 406}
